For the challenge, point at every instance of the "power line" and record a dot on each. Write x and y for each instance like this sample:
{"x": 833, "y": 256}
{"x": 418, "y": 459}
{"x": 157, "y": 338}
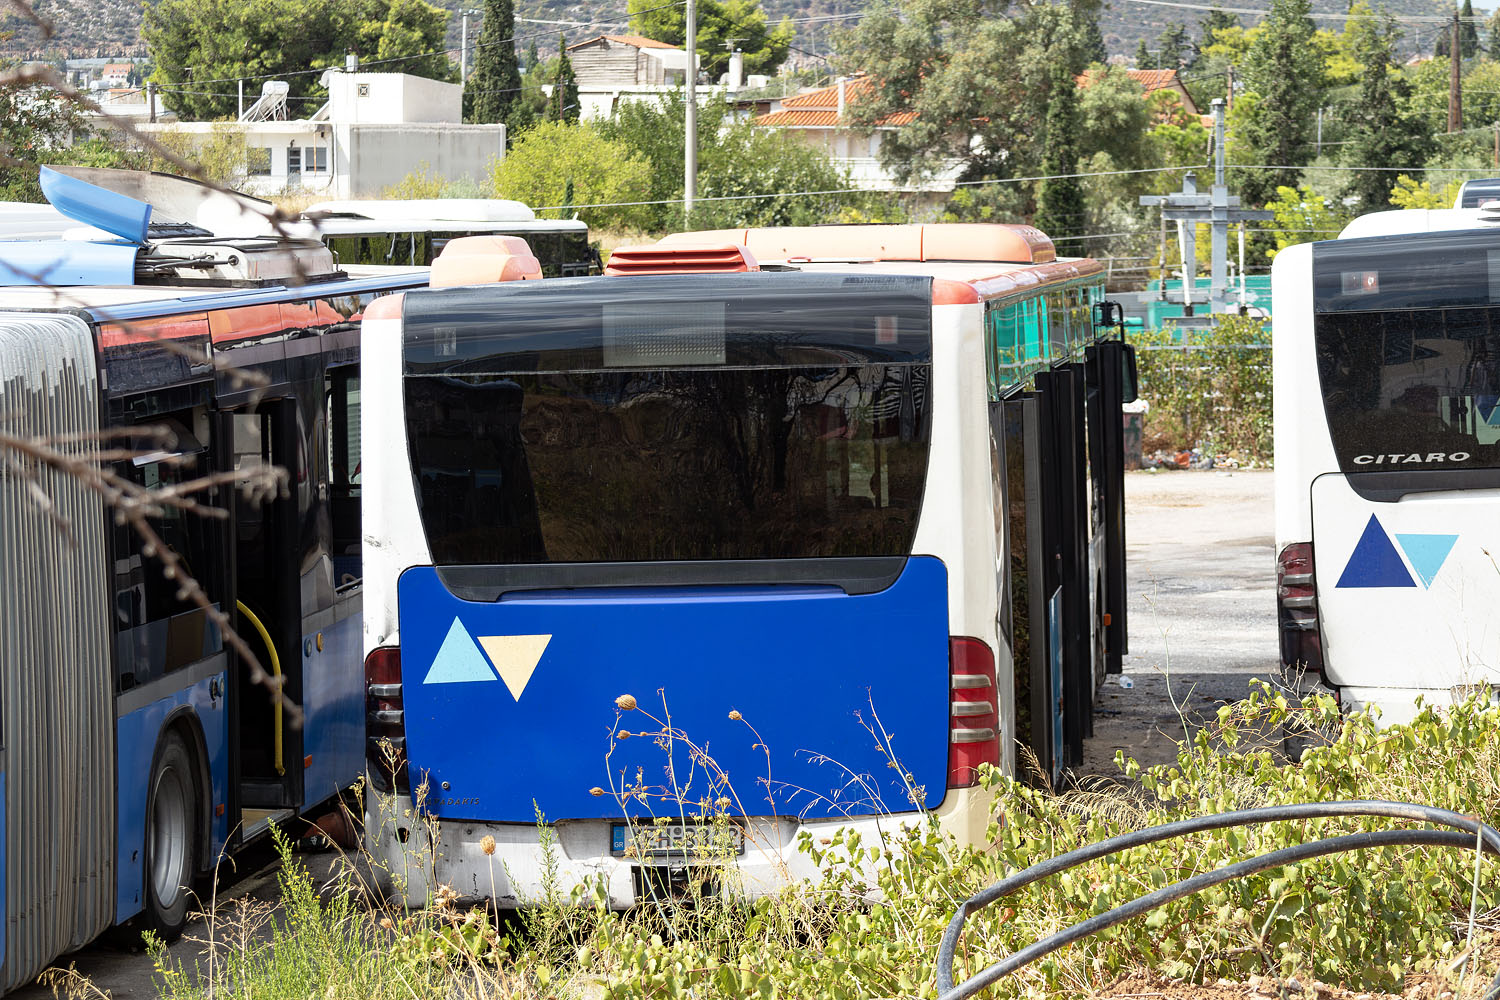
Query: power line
{"x": 1412, "y": 18}
{"x": 413, "y": 56}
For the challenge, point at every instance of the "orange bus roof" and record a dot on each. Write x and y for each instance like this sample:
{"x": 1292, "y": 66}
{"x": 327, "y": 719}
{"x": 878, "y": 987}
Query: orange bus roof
{"x": 959, "y": 241}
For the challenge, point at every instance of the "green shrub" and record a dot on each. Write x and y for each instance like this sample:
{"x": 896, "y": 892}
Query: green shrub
{"x": 1211, "y": 390}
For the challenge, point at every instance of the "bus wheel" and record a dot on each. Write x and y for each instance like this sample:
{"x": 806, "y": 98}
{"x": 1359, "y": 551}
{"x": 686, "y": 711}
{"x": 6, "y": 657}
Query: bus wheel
{"x": 171, "y": 825}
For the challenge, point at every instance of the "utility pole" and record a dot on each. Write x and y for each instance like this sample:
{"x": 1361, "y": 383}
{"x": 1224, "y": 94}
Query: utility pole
{"x": 241, "y": 82}
{"x": 1229, "y": 99}
{"x": 1455, "y": 80}
{"x": 463, "y": 47}
{"x": 151, "y": 100}
{"x": 1320, "y": 132}
{"x": 690, "y": 116}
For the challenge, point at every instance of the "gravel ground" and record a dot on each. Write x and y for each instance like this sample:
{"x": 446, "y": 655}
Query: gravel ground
{"x": 1201, "y": 563}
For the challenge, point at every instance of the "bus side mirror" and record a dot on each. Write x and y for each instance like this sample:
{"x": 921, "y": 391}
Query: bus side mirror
{"x": 1129, "y": 380}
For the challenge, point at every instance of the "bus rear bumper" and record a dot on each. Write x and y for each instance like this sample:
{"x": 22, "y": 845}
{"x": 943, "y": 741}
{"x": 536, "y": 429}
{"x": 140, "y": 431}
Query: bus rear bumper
{"x": 508, "y": 863}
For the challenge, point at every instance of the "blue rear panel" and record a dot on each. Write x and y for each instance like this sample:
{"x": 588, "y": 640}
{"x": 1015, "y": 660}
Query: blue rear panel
{"x": 802, "y": 665}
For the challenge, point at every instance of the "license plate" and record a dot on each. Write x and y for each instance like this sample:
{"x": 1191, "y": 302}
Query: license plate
{"x": 687, "y": 841}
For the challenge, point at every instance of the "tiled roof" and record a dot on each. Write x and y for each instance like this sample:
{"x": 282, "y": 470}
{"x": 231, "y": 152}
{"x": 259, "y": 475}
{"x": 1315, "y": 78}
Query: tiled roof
{"x": 1149, "y": 79}
{"x": 797, "y": 118}
{"x": 638, "y": 41}
{"x": 828, "y": 97}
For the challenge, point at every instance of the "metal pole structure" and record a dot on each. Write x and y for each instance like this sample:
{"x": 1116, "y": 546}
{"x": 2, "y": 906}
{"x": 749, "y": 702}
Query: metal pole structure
{"x": 1218, "y": 223}
{"x": 1320, "y": 132}
{"x": 1229, "y": 94}
{"x": 151, "y": 100}
{"x": 1455, "y": 80}
{"x": 241, "y": 82}
{"x": 463, "y": 48}
{"x": 1242, "y": 267}
{"x": 690, "y": 116}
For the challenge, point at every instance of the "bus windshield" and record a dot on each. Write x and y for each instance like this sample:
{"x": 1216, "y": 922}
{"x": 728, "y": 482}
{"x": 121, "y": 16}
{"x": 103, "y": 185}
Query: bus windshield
{"x": 1408, "y": 344}
{"x": 763, "y": 416}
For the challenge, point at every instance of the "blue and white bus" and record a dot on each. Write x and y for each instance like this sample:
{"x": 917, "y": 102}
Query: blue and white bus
{"x": 134, "y": 751}
{"x": 1387, "y": 411}
{"x": 831, "y": 498}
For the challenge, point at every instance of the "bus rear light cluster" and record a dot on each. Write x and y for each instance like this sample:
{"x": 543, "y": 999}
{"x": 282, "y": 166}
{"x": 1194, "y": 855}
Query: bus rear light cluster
{"x": 385, "y": 719}
{"x": 1297, "y": 611}
{"x": 973, "y": 711}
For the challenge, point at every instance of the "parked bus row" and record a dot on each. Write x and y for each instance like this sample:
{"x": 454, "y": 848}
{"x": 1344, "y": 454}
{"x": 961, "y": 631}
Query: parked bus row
{"x": 836, "y": 482}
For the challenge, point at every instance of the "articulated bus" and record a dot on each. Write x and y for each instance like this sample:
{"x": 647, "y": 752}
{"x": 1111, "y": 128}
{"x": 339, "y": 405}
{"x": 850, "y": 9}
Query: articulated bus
{"x": 828, "y": 499}
{"x": 134, "y": 750}
{"x": 1387, "y": 413}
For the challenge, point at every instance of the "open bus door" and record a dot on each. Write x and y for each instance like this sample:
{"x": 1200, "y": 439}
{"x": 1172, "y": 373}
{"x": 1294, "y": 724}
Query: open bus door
{"x": 1110, "y": 368}
{"x": 268, "y": 604}
{"x": 1045, "y": 614}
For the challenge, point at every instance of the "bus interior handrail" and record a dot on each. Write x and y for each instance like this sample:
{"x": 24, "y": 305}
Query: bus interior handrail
{"x": 1475, "y": 835}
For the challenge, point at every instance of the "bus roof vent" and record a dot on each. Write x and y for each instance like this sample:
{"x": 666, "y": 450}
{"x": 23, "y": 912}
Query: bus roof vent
{"x": 682, "y": 258}
{"x": 484, "y": 260}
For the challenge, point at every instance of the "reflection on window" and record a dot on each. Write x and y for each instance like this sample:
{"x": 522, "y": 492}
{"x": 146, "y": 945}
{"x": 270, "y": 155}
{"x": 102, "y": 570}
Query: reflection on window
{"x": 344, "y": 474}
{"x": 669, "y": 465}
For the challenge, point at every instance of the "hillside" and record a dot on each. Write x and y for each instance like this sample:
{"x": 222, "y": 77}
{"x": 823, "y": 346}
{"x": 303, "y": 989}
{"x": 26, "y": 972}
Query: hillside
{"x": 112, "y": 27}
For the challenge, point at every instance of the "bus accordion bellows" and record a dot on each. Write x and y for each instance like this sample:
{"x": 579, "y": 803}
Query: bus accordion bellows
{"x": 135, "y": 751}
{"x": 840, "y": 505}
{"x": 1386, "y": 376}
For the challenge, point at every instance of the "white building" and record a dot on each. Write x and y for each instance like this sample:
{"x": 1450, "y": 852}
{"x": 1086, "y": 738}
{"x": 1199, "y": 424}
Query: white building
{"x": 818, "y": 118}
{"x": 374, "y": 130}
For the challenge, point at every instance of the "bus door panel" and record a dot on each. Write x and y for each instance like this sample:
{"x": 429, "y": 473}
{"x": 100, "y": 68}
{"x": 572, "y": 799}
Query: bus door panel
{"x": 1060, "y": 403}
{"x": 332, "y": 638}
{"x": 268, "y": 590}
{"x": 1105, "y": 367}
{"x": 1023, "y": 608}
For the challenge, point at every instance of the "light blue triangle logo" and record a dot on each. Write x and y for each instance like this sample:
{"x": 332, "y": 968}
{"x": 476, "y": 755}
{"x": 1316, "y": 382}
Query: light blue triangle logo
{"x": 1426, "y": 553}
{"x": 459, "y": 660}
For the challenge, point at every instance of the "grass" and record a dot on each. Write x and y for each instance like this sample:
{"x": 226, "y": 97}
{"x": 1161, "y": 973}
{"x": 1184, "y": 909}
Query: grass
{"x": 1371, "y": 922}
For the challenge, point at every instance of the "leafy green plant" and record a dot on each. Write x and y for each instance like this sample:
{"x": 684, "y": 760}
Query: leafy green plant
{"x": 1209, "y": 390}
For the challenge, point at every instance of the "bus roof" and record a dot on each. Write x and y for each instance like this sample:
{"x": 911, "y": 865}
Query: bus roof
{"x": 1417, "y": 220}
{"x": 124, "y": 302}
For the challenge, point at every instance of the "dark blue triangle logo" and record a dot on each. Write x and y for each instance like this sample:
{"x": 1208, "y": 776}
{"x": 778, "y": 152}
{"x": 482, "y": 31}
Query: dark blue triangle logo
{"x": 1375, "y": 562}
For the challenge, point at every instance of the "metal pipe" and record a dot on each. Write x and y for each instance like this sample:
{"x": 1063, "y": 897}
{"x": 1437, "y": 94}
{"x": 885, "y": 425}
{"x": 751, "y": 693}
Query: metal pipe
{"x": 690, "y": 116}
{"x": 265, "y": 637}
{"x": 1471, "y": 828}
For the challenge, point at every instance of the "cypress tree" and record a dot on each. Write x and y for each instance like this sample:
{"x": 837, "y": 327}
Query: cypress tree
{"x": 1060, "y": 205}
{"x": 1143, "y": 58}
{"x": 1468, "y": 31}
{"x": 495, "y": 79}
{"x": 564, "y": 104}
{"x": 1381, "y": 136}
{"x": 1091, "y": 38}
{"x": 1284, "y": 68}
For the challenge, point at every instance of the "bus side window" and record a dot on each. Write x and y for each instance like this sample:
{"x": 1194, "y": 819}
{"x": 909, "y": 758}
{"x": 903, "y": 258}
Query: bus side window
{"x": 344, "y": 474}
{"x": 160, "y": 630}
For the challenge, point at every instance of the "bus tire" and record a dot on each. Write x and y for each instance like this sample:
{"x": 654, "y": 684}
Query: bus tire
{"x": 172, "y": 803}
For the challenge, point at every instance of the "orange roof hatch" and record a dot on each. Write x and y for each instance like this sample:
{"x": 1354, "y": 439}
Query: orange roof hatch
{"x": 696, "y": 257}
{"x": 483, "y": 260}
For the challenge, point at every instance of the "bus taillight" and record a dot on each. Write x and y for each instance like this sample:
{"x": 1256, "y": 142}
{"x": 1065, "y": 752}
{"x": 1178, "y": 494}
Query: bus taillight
{"x": 1297, "y": 612}
{"x": 385, "y": 719}
{"x": 974, "y": 720}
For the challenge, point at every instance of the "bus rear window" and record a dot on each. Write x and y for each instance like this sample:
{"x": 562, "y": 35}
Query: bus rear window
{"x": 705, "y": 418}
{"x": 1407, "y": 331}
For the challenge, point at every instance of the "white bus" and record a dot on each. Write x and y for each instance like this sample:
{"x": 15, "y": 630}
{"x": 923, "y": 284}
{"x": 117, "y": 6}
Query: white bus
{"x": 1387, "y": 379}
{"x": 858, "y": 487}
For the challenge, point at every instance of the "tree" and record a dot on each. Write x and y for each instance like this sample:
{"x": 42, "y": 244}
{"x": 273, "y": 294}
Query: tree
{"x": 1176, "y": 48}
{"x": 531, "y": 103}
{"x": 1092, "y": 41}
{"x": 1381, "y": 134}
{"x": 555, "y": 163}
{"x": 34, "y": 123}
{"x": 925, "y": 56}
{"x": 723, "y": 25}
{"x": 1143, "y": 57}
{"x": 1060, "y": 205}
{"x": 1468, "y": 31}
{"x": 1215, "y": 21}
{"x": 563, "y": 105}
{"x": 200, "y": 47}
{"x": 1285, "y": 69}
{"x": 1492, "y": 36}
{"x": 495, "y": 81}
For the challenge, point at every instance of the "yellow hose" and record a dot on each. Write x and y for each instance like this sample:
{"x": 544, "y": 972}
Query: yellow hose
{"x": 265, "y": 637}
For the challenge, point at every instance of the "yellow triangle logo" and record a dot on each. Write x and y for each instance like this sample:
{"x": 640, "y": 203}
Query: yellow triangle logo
{"x": 515, "y": 658}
